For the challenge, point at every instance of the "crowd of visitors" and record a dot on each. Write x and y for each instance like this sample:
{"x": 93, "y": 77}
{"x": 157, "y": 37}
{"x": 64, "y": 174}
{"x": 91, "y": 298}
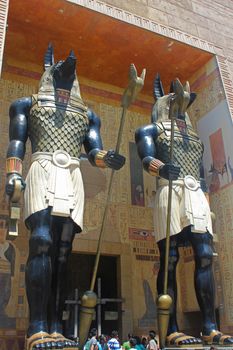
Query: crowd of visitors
{"x": 112, "y": 342}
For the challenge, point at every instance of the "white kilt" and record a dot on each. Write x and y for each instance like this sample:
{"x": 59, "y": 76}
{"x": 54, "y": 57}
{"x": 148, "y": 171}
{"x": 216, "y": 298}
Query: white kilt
{"x": 50, "y": 185}
{"x": 189, "y": 207}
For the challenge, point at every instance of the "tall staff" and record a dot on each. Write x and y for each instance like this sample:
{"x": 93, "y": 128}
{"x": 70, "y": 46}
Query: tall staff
{"x": 89, "y": 298}
{"x": 135, "y": 85}
{"x": 164, "y": 301}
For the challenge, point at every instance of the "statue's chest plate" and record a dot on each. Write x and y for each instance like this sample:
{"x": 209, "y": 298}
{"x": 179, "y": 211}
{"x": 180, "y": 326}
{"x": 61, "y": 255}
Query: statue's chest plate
{"x": 52, "y": 128}
{"x": 187, "y": 149}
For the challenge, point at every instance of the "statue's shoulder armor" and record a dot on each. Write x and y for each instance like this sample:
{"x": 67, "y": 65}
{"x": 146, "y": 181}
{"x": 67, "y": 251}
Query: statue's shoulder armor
{"x": 164, "y": 127}
{"x": 34, "y": 99}
{"x": 160, "y": 127}
{"x": 192, "y": 132}
{"x": 75, "y": 104}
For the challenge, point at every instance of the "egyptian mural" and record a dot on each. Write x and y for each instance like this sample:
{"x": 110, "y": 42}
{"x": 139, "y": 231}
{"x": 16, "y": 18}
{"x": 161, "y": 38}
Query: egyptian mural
{"x": 215, "y": 128}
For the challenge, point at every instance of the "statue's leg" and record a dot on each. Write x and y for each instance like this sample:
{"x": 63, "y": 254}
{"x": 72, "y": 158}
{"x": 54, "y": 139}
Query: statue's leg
{"x": 172, "y": 286}
{"x": 38, "y": 280}
{"x": 203, "y": 278}
{"x": 174, "y": 338}
{"x": 205, "y": 288}
{"x": 64, "y": 230}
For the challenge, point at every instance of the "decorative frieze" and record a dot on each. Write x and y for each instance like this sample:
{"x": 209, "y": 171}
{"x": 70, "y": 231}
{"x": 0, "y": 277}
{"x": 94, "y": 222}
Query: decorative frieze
{"x": 145, "y": 23}
{"x": 226, "y": 80}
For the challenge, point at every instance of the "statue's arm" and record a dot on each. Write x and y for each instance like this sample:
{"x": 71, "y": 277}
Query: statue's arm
{"x": 18, "y": 134}
{"x": 94, "y": 147}
{"x": 145, "y": 138}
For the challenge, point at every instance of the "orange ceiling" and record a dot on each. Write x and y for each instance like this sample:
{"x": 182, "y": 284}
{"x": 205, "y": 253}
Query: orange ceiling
{"x": 104, "y": 46}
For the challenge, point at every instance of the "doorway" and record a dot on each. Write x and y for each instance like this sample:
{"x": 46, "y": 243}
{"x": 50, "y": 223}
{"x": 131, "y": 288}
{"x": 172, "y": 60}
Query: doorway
{"x": 80, "y": 268}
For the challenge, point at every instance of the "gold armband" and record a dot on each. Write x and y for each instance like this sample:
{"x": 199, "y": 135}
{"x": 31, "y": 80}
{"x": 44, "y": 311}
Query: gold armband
{"x": 154, "y": 167}
{"x": 99, "y": 159}
{"x": 14, "y": 165}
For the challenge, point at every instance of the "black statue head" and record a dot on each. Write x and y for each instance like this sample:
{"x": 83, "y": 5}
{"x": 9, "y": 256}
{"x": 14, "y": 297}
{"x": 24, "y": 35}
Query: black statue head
{"x": 59, "y": 76}
{"x": 183, "y": 97}
{"x": 63, "y": 71}
{"x": 177, "y": 101}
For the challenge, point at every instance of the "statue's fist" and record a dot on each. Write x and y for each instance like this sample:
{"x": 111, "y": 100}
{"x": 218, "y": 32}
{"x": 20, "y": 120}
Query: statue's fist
{"x": 10, "y": 183}
{"x": 114, "y": 160}
{"x": 169, "y": 171}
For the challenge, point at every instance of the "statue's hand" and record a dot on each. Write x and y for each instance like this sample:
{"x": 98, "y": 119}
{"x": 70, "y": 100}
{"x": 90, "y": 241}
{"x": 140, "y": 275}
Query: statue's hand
{"x": 10, "y": 183}
{"x": 169, "y": 171}
{"x": 114, "y": 160}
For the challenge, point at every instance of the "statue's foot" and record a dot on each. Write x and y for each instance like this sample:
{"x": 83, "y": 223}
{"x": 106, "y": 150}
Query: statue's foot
{"x": 64, "y": 343}
{"x": 40, "y": 341}
{"x": 180, "y": 340}
{"x": 218, "y": 338}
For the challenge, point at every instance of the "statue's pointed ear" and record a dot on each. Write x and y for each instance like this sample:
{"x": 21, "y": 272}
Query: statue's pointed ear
{"x": 178, "y": 87}
{"x": 158, "y": 87}
{"x": 48, "y": 57}
{"x": 192, "y": 98}
{"x": 187, "y": 87}
{"x": 72, "y": 55}
{"x": 142, "y": 76}
{"x": 132, "y": 72}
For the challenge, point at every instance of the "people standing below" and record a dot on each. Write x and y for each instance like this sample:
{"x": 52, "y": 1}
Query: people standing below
{"x": 152, "y": 342}
{"x": 113, "y": 343}
{"x": 126, "y": 345}
{"x": 103, "y": 342}
{"x": 144, "y": 342}
{"x": 138, "y": 345}
{"x": 132, "y": 343}
{"x": 92, "y": 343}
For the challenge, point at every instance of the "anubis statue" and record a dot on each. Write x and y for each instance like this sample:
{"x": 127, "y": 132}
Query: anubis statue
{"x": 58, "y": 124}
{"x": 190, "y": 214}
